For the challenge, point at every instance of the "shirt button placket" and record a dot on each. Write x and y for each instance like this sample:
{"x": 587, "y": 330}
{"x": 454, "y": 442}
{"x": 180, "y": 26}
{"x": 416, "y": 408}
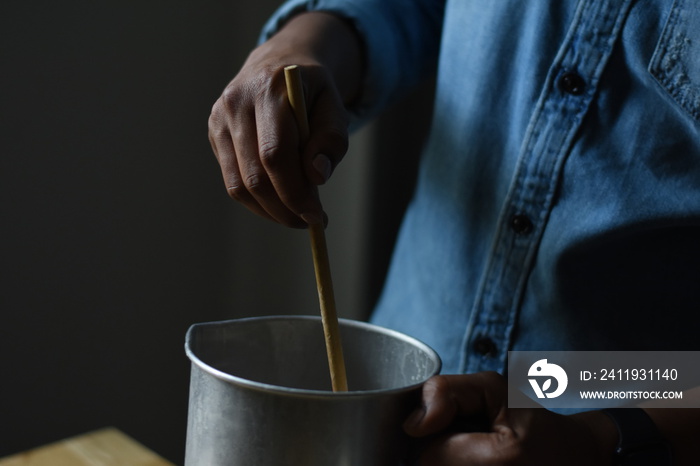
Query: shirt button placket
{"x": 564, "y": 101}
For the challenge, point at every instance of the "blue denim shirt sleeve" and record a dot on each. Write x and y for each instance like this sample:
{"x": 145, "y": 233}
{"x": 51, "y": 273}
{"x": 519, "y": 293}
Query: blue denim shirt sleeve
{"x": 558, "y": 200}
{"x": 402, "y": 40}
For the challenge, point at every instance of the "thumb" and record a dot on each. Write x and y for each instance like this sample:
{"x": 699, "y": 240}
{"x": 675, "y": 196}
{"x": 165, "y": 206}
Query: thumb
{"x": 437, "y": 409}
{"x": 465, "y": 403}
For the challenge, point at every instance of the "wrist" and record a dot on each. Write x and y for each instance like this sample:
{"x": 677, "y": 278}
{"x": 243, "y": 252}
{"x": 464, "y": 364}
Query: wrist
{"x": 640, "y": 442}
{"x": 602, "y": 432}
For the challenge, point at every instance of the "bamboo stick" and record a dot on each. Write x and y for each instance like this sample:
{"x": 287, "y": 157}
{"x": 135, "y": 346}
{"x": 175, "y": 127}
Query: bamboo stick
{"x": 319, "y": 249}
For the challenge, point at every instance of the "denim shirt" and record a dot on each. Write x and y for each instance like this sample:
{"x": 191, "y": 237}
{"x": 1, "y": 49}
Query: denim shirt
{"x": 558, "y": 199}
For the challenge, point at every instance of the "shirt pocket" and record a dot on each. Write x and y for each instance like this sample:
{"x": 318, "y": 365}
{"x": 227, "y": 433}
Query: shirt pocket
{"x": 676, "y": 60}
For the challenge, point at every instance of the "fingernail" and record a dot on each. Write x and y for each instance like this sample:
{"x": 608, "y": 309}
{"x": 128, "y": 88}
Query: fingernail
{"x": 311, "y": 219}
{"x": 415, "y": 418}
{"x": 323, "y": 166}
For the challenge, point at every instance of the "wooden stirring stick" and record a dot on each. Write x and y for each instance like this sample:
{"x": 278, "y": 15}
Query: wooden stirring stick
{"x": 324, "y": 284}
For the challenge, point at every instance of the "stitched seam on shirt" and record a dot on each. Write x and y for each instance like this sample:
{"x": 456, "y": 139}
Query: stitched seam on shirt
{"x": 667, "y": 65}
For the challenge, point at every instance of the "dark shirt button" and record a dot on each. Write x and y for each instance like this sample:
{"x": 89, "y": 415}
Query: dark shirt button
{"x": 572, "y": 83}
{"x": 521, "y": 224}
{"x": 485, "y": 346}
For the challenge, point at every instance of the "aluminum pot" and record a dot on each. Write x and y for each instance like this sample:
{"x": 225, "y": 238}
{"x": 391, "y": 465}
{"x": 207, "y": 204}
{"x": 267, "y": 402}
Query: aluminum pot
{"x": 260, "y": 393}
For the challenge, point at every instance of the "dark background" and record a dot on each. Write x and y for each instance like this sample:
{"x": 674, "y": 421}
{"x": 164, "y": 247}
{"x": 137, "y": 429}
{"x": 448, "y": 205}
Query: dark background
{"x": 116, "y": 230}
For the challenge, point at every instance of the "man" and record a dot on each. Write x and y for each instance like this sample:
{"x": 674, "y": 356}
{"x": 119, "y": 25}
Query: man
{"x": 558, "y": 201}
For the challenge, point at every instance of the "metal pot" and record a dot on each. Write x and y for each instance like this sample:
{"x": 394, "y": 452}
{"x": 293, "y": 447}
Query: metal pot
{"x": 260, "y": 393}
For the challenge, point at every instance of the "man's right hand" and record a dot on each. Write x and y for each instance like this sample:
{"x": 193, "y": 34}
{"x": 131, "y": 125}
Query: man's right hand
{"x": 252, "y": 129}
